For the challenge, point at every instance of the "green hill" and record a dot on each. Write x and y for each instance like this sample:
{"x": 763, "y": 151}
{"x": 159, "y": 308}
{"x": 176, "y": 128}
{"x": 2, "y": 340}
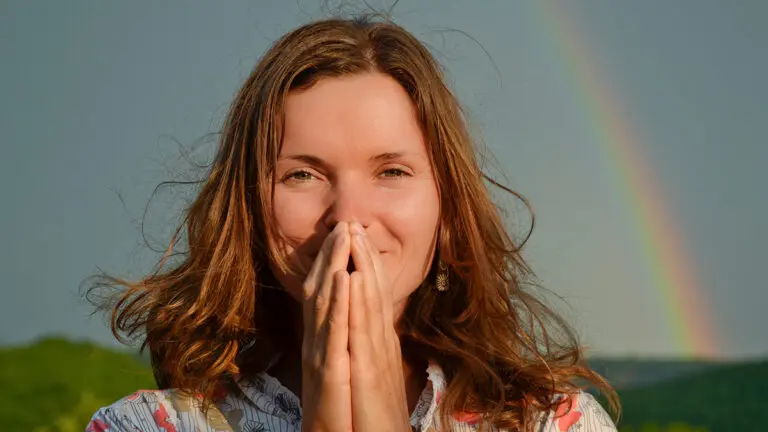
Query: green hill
{"x": 56, "y": 384}
{"x": 629, "y": 373}
{"x": 725, "y": 398}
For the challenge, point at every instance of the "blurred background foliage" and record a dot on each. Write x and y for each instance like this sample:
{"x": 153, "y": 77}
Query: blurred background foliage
{"x": 56, "y": 384}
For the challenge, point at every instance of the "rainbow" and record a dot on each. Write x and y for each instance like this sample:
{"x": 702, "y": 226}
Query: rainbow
{"x": 687, "y": 311}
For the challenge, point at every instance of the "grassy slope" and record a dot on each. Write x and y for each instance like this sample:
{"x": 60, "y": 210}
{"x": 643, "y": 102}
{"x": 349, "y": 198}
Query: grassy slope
{"x": 722, "y": 399}
{"x": 627, "y": 373}
{"x": 53, "y": 378}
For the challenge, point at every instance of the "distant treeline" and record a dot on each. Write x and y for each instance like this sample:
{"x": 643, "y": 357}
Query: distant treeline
{"x": 56, "y": 385}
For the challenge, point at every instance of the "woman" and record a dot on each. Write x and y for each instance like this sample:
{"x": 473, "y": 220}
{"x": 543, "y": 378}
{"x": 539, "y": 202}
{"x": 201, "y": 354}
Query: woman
{"x": 346, "y": 268}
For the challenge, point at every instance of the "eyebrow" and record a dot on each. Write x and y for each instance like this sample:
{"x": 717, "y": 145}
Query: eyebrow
{"x": 388, "y": 156}
{"x": 314, "y": 160}
{"x": 308, "y": 159}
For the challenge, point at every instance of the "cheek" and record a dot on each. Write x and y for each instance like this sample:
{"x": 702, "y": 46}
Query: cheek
{"x": 413, "y": 221}
{"x": 297, "y": 216}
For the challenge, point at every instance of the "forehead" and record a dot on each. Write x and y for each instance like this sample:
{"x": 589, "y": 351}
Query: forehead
{"x": 352, "y": 114}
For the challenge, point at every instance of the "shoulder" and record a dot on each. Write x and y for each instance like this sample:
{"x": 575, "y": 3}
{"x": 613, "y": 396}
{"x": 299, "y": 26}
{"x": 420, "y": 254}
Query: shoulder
{"x": 579, "y": 411}
{"x": 145, "y": 410}
{"x": 158, "y": 411}
{"x": 576, "y": 412}
{"x": 246, "y": 407}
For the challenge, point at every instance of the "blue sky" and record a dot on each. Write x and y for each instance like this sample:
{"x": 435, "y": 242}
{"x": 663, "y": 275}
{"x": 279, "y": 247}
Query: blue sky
{"x": 93, "y": 95}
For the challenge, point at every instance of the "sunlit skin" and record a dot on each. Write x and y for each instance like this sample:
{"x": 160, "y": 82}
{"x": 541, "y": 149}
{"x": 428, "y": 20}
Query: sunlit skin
{"x": 353, "y": 153}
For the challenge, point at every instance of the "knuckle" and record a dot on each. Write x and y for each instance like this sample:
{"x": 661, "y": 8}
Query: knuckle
{"x": 320, "y": 303}
{"x": 340, "y": 275}
{"x": 308, "y": 288}
{"x": 311, "y": 361}
{"x": 334, "y": 322}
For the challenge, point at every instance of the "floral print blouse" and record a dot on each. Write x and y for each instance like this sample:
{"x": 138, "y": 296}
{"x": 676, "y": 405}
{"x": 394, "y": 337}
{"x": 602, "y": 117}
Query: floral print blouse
{"x": 262, "y": 404}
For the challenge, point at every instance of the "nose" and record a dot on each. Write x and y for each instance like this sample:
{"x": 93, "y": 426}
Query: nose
{"x": 349, "y": 201}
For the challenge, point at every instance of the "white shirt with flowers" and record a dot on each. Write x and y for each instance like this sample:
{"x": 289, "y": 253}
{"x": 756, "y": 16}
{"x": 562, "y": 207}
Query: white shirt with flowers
{"x": 262, "y": 404}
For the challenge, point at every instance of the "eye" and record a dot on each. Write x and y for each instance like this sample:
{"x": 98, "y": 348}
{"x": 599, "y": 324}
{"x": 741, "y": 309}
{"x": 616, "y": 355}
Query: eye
{"x": 394, "y": 172}
{"x": 298, "y": 176}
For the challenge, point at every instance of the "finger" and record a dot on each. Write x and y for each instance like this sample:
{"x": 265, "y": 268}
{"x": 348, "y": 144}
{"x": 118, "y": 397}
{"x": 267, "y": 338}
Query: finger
{"x": 372, "y": 331}
{"x": 331, "y": 263}
{"x": 381, "y": 303}
{"x": 358, "y": 322}
{"x": 361, "y": 254}
{"x": 311, "y": 282}
{"x": 383, "y": 280}
{"x": 338, "y": 315}
{"x": 319, "y": 265}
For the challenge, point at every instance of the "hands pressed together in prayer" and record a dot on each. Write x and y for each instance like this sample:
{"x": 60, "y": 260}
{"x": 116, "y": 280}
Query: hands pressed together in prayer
{"x": 352, "y": 375}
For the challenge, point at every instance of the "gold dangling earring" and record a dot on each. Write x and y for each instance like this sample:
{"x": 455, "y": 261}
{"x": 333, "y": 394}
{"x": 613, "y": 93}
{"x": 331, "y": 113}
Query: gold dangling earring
{"x": 441, "y": 282}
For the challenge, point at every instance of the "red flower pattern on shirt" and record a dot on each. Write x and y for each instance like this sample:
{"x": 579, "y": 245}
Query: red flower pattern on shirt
{"x": 97, "y": 426}
{"x": 567, "y": 415}
{"x": 161, "y": 418}
{"x": 469, "y": 418}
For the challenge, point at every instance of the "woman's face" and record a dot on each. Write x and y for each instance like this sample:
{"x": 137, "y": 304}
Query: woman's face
{"x": 353, "y": 150}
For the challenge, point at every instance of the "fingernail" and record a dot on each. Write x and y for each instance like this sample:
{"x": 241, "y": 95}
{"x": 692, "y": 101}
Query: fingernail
{"x": 357, "y": 228}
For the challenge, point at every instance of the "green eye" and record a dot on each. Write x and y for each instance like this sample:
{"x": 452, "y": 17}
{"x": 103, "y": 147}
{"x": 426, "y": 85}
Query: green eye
{"x": 393, "y": 172}
{"x": 299, "y": 176}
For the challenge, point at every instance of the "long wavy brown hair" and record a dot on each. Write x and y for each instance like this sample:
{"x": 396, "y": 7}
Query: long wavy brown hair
{"x": 212, "y": 315}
